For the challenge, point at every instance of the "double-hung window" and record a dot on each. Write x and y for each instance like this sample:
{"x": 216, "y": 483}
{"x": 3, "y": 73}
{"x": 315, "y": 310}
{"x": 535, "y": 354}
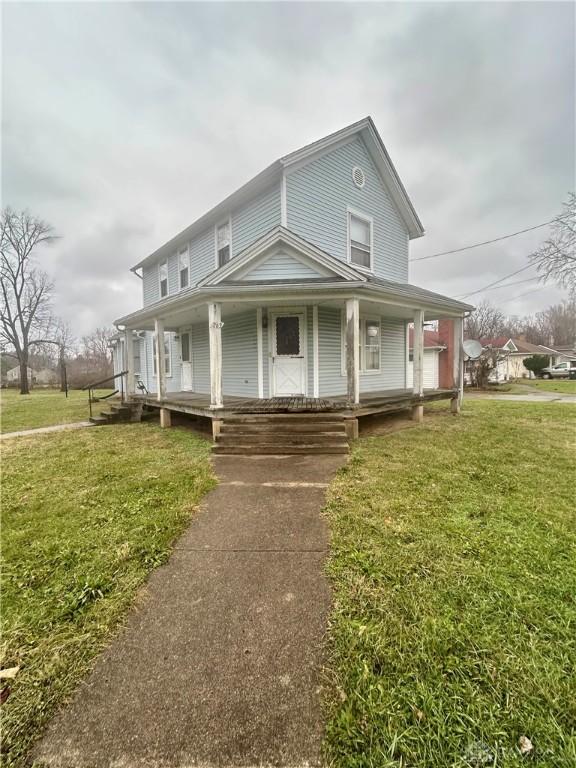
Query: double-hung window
{"x": 370, "y": 344}
{"x": 167, "y": 360}
{"x": 184, "y": 267}
{"x": 163, "y": 271}
{"x": 360, "y": 240}
{"x": 370, "y": 340}
{"x": 223, "y": 243}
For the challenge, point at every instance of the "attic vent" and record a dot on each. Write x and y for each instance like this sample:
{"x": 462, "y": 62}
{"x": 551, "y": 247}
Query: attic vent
{"x": 358, "y": 177}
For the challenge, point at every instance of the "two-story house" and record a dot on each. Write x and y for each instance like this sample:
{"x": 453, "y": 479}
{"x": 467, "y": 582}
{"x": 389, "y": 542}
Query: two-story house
{"x": 296, "y": 285}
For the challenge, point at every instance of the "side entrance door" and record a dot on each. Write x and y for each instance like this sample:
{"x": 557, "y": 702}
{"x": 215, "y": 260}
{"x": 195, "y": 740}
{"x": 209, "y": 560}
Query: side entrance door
{"x": 186, "y": 358}
{"x": 288, "y": 354}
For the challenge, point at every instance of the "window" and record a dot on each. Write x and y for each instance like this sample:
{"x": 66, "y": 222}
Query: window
{"x": 223, "y": 244}
{"x": 163, "y": 279}
{"x": 167, "y": 361}
{"x": 137, "y": 362}
{"x": 360, "y": 245}
{"x": 370, "y": 354}
{"x": 183, "y": 267}
{"x": 370, "y": 343}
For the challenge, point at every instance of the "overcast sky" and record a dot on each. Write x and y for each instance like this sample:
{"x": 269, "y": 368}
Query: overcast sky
{"x": 123, "y": 123}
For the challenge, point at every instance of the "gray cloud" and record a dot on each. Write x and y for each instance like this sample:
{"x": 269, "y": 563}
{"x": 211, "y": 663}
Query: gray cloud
{"x": 125, "y": 122}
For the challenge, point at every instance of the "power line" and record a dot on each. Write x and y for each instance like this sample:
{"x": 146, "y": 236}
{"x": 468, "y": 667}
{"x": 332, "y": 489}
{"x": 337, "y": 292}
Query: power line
{"x": 509, "y": 285}
{"x": 526, "y": 293}
{"x": 490, "y": 285}
{"x": 487, "y": 242}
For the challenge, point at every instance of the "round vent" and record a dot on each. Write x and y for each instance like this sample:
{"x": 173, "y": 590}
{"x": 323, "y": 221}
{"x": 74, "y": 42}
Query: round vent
{"x": 358, "y": 177}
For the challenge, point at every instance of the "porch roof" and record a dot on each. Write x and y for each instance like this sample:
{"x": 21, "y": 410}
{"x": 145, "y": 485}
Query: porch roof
{"x": 268, "y": 292}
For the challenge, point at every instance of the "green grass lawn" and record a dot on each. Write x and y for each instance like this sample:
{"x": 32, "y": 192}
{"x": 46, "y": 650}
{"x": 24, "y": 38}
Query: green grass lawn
{"x": 565, "y": 386}
{"x": 43, "y": 408}
{"x": 453, "y": 565}
{"x": 86, "y": 516}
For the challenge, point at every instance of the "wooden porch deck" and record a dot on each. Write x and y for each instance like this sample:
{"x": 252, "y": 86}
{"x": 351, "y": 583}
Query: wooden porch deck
{"x": 385, "y": 401}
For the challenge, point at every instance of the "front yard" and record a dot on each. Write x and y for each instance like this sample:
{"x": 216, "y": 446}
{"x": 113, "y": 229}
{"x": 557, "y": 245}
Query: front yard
{"x": 453, "y": 565}
{"x": 564, "y": 386}
{"x": 86, "y": 516}
{"x": 43, "y": 408}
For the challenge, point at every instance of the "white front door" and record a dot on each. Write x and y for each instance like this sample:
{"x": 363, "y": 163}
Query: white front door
{"x": 288, "y": 354}
{"x": 186, "y": 358}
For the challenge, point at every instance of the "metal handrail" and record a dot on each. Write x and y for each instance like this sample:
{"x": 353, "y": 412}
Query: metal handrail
{"x": 91, "y": 387}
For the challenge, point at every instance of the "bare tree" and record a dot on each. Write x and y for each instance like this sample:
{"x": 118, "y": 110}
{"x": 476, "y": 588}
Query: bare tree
{"x": 25, "y": 290}
{"x": 96, "y": 345}
{"x": 486, "y": 322}
{"x": 558, "y": 324}
{"x": 556, "y": 258}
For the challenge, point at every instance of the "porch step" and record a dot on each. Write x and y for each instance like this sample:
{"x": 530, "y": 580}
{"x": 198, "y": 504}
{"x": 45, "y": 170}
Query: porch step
{"x": 325, "y": 427}
{"x": 123, "y": 412}
{"x": 282, "y": 434}
{"x": 279, "y": 450}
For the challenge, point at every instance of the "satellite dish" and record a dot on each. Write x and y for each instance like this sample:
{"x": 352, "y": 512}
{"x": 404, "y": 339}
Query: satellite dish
{"x": 472, "y": 349}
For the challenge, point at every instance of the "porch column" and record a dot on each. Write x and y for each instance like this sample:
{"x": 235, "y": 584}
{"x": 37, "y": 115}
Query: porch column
{"x": 418, "y": 353}
{"x": 129, "y": 347}
{"x": 353, "y": 351}
{"x": 215, "y": 335}
{"x": 458, "y": 365}
{"x": 160, "y": 359}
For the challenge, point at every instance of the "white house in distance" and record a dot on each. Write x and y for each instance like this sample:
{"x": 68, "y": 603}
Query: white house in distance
{"x": 513, "y": 353}
{"x": 13, "y": 376}
{"x": 290, "y": 294}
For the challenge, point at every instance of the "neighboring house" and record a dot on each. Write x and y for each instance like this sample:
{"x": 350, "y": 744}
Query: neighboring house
{"x": 13, "y": 376}
{"x": 294, "y": 285}
{"x": 514, "y": 352}
{"x": 433, "y": 349}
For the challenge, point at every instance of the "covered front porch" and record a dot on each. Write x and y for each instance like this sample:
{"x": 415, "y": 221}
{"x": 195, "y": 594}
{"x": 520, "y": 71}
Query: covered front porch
{"x": 287, "y": 352}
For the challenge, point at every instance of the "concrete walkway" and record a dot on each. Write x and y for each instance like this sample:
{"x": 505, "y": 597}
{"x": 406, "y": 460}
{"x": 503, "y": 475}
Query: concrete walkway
{"x": 44, "y": 430}
{"x": 219, "y": 664}
{"x": 539, "y": 397}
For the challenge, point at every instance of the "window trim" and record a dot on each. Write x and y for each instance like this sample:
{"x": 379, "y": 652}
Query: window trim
{"x": 167, "y": 354}
{"x": 217, "y": 226}
{"x": 179, "y": 253}
{"x": 363, "y": 319}
{"x": 160, "y": 280}
{"x": 369, "y": 220}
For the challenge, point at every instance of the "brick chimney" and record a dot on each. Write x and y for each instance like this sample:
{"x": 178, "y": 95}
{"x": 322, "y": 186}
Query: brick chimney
{"x": 446, "y": 358}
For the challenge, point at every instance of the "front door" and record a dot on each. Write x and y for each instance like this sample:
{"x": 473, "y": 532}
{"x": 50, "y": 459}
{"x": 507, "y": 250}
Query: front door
{"x": 186, "y": 358}
{"x": 288, "y": 354}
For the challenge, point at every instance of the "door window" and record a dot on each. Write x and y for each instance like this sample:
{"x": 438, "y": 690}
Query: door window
{"x": 288, "y": 335}
{"x": 185, "y": 347}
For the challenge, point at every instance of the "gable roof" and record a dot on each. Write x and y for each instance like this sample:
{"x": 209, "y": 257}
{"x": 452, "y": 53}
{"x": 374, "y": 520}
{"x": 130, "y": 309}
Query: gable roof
{"x": 273, "y": 173}
{"x": 282, "y": 236}
{"x": 522, "y": 347}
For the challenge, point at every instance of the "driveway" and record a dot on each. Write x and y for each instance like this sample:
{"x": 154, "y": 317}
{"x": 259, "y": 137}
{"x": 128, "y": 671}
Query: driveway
{"x": 219, "y": 662}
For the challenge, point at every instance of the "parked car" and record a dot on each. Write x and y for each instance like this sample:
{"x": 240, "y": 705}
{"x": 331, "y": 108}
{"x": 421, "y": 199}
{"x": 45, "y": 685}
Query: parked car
{"x": 560, "y": 370}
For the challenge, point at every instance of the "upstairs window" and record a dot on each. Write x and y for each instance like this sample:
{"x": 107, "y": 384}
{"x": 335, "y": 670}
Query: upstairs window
{"x": 223, "y": 244}
{"x": 360, "y": 240}
{"x": 184, "y": 267}
{"x": 163, "y": 279}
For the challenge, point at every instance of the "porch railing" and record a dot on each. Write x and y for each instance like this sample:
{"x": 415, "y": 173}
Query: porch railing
{"x": 95, "y": 384}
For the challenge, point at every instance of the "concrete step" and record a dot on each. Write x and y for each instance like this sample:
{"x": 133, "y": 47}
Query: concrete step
{"x": 281, "y": 438}
{"x": 280, "y": 450}
{"x": 121, "y": 409}
{"x": 262, "y": 428}
{"x": 99, "y": 420}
